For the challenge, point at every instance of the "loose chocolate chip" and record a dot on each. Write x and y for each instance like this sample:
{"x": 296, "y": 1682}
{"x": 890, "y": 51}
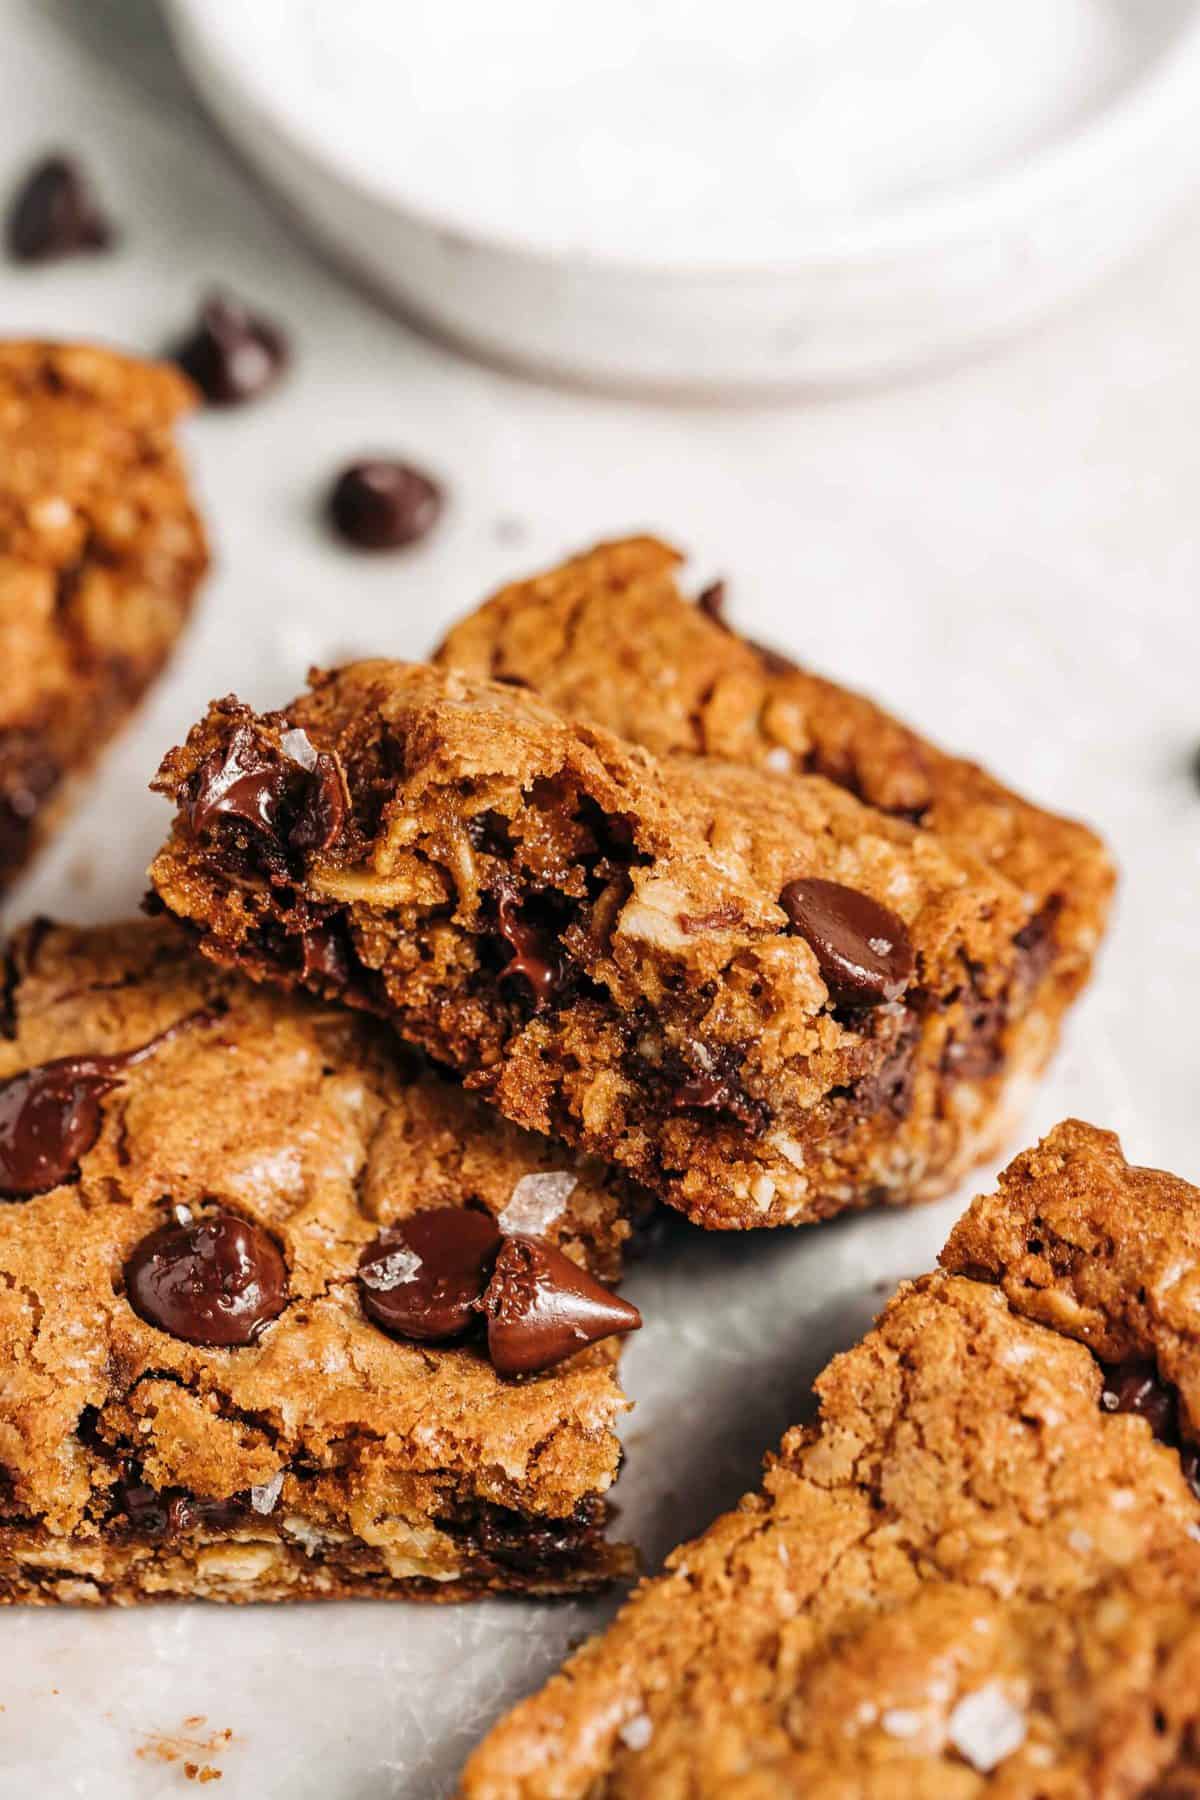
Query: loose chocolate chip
{"x": 533, "y": 955}
{"x": 50, "y": 1115}
{"x": 323, "y": 809}
{"x": 219, "y": 1280}
{"x": 239, "y": 780}
{"x": 422, "y": 1277}
{"x": 712, "y": 602}
{"x": 1134, "y": 1387}
{"x": 232, "y": 354}
{"x": 541, "y": 1308}
{"x": 55, "y": 213}
{"x": 863, "y": 950}
{"x": 383, "y": 505}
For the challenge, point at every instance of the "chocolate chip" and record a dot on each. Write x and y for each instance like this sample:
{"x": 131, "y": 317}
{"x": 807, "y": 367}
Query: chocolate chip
{"x": 50, "y": 1115}
{"x": 534, "y": 957}
{"x": 719, "y": 1093}
{"x": 422, "y": 1277}
{"x": 383, "y": 505}
{"x": 232, "y": 354}
{"x": 863, "y": 950}
{"x": 324, "y": 954}
{"x": 323, "y": 809}
{"x": 1134, "y": 1387}
{"x": 155, "y": 1512}
{"x": 238, "y": 780}
{"x": 55, "y": 213}
{"x": 712, "y": 602}
{"x": 541, "y": 1308}
{"x": 219, "y": 1280}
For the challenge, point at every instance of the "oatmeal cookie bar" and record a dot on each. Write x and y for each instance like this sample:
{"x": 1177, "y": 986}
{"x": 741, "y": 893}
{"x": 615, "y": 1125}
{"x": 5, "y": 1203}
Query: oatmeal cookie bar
{"x": 101, "y": 552}
{"x": 977, "y": 1573}
{"x": 250, "y": 1251}
{"x": 610, "y": 638}
{"x": 757, "y": 997}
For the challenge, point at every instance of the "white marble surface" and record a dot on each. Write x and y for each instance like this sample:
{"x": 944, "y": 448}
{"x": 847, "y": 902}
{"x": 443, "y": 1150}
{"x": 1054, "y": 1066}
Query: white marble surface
{"x": 1009, "y": 553}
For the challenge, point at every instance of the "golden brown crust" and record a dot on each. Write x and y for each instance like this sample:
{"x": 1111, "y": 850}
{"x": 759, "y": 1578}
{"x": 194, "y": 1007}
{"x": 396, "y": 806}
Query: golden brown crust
{"x": 660, "y": 884}
{"x": 101, "y": 552}
{"x": 967, "y": 1578}
{"x": 405, "y": 1468}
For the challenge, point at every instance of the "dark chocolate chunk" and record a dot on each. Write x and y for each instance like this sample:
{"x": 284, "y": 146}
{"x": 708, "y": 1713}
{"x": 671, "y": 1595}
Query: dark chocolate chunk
{"x": 55, "y": 213}
{"x": 711, "y": 602}
{"x": 323, "y": 809}
{"x": 218, "y": 1280}
{"x": 241, "y": 781}
{"x": 719, "y": 1093}
{"x": 863, "y": 949}
{"x": 50, "y": 1115}
{"x": 541, "y": 1308}
{"x": 422, "y": 1277}
{"x": 232, "y": 354}
{"x": 383, "y": 504}
{"x": 324, "y": 953}
{"x": 1134, "y": 1387}
{"x": 152, "y": 1512}
{"x": 534, "y": 956}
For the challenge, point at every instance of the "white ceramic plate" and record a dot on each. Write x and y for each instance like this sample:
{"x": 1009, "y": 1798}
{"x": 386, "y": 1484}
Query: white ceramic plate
{"x": 1018, "y": 168}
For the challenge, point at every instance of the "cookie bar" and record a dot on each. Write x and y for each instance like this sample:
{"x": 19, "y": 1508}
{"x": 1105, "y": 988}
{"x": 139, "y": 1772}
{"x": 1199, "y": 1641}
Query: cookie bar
{"x": 757, "y": 997}
{"x": 978, "y": 1572}
{"x": 101, "y": 552}
{"x": 246, "y": 1248}
{"x": 609, "y": 637}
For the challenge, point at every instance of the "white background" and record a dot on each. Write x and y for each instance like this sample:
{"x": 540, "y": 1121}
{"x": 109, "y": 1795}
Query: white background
{"x": 1008, "y": 553}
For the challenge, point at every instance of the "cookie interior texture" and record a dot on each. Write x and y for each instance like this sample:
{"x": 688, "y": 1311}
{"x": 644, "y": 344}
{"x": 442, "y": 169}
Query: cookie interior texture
{"x": 597, "y": 939}
{"x": 101, "y": 555}
{"x": 325, "y": 1458}
{"x": 978, "y": 1571}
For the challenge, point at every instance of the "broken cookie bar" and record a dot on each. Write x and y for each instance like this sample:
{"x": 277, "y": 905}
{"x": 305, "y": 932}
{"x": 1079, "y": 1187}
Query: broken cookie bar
{"x": 609, "y": 637}
{"x": 977, "y": 1573}
{"x": 223, "y": 1369}
{"x": 101, "y": 553}
{"x": 744, "y": 992}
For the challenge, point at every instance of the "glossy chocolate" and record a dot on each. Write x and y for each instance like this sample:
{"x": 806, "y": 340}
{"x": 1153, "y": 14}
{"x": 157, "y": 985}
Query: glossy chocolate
{"x": 241, "y": 781}
{"x": 383, "y": 504}
{"x": 50, "y": 1116}
{"x": 55, "y": 213}
{"x": 218, "y": 1280}
{"x": 232, "y": 354}
{"x": 422, "y": 1277}
{"x": 533, "y": 958}
{"x": 863, "y": 949}
{"x": 541, "y": 1308}
{"x": 1134, "y": 1387}
{"x": 322, "y": 808}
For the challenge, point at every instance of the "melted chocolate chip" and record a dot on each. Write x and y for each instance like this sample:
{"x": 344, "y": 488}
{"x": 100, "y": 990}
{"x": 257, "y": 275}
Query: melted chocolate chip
{"x": 323, "y": 954}
{"x": 422, "y": 1277}
{"x": 218, "y": 1281}
{"x": 232, "y": 354}
{"x": 55, "y": 213}
{"x": 239, "y": 780}
{"x": 384, "y": 505}
{"x": 863, "y": 950}
{"x": 323, "y": 809}
{"x": 541, "y": 1308}
{"x": 50, "y": 1115}
{"x": 718, "y": 1093}
{"x": 154, "y": 1512}
{"x": 1134, "y": 1387}
{"x": 533, "y": 955}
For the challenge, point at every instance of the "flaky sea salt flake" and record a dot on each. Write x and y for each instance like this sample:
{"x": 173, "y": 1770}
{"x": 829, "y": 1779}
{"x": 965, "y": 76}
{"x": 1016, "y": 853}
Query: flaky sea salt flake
{"x": 537, "y": 1201}
{"x": 985, "y": 1727}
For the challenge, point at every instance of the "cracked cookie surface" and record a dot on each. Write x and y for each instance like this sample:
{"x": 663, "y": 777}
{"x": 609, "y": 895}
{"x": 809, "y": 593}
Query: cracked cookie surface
{"x": 101, "y": 552}
{"x": 316, "y": 1457}
{"x": 749, "y": 994}
{"x": 977, "y": 1573}
{"x": 609, "y": 637}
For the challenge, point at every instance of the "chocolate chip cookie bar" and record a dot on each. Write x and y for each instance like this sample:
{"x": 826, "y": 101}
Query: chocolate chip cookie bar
{"x": 283, "y": 1314}
{"x": 101, "y": 553}
{"x": 977, "y": 1573}
{"x": 609, "y": 637}
{"x": 759, "y": 998}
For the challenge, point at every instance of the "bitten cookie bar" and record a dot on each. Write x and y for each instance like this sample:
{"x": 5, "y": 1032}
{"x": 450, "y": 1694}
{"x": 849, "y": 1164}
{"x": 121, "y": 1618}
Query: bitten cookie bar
{"x": 265, "y": 1291}
{"x": 101, "y": 552}
{"x": 750, "y": 994}
{"x": 608, "y": 637}
{"x": 978, "y": 1573}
